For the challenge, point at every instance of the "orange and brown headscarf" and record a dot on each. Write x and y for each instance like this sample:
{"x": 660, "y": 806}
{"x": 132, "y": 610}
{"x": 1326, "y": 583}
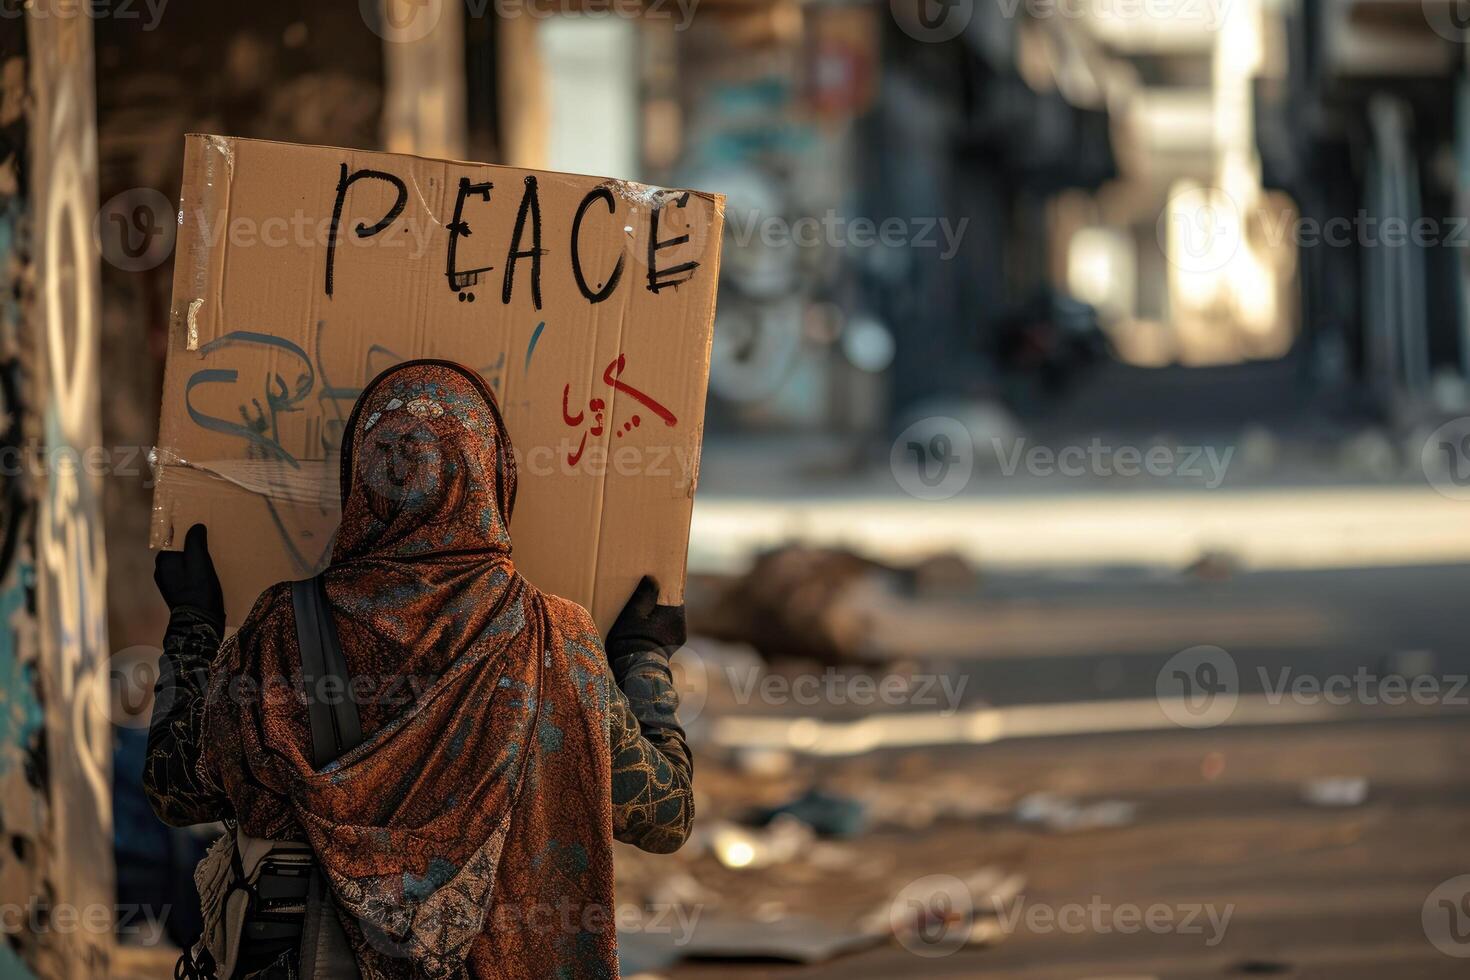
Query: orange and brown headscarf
{"x": 471, "y": 832}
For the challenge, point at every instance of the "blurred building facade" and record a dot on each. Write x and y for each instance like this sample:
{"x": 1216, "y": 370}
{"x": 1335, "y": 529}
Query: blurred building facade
{"x": 928, "y": 204}
{"x": 1367, "y": 130}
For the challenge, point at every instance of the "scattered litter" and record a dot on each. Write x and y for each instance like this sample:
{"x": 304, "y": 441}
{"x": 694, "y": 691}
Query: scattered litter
{"x": 918, "y": 805}
{"x": 764, "y": 763}
{"x": 1065, "y": 815}
{"x": 771, "y": 910}
{"x": 828, "y": 814}
{"x": 992, "y": 888}
{"x": 739, "y": 847}
{"x": 961, "y": 911}
{"x": 826, "y": 856}
{"x": 985, "y": 931}
{"x": 935, "y": 918}
{"x": 1336, "y": 791}
{"x": 678, "y": 888}
{"x": 795, "y": 939}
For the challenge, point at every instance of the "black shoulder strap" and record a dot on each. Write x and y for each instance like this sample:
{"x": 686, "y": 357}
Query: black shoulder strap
{"x": 335, "y": 726}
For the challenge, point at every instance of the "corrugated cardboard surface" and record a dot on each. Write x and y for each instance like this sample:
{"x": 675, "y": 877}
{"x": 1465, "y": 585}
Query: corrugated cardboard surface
{"x": 278, "y": 322}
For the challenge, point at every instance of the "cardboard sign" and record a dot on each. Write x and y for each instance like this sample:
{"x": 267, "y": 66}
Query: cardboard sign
{"x": 301, "y": 272}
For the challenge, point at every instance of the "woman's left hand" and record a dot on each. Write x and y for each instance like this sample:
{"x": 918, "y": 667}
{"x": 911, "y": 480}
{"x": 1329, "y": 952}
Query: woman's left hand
{"x": 644, "y": 626}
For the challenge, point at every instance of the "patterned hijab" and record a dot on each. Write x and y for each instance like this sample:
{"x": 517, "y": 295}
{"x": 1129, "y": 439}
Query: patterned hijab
{"x": 470, "y": 834}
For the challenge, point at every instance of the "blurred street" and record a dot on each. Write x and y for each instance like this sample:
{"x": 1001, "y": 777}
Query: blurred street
{"x": 1321, "y": 822}
{"x": 1065, "y": 407}
{"x": 1315, "y": 892}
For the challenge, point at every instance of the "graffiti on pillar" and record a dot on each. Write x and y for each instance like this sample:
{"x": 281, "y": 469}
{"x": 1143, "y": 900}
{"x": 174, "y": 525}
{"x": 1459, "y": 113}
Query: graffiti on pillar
{"x": 68, "y": 535}
{"x": 62, "y": 340}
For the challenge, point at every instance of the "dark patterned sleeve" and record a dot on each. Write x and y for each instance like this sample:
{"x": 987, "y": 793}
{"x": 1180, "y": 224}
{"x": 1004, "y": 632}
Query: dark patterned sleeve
{"x": 180, "y": 794}
{"x": 653, "y": 804}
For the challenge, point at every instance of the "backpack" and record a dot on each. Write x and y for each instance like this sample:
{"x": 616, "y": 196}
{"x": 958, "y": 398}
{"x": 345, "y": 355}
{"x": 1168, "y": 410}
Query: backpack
{"x": 260, "y": 897}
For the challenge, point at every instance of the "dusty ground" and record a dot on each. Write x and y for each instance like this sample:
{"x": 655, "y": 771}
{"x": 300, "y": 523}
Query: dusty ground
{"x": 1311, "y": 892}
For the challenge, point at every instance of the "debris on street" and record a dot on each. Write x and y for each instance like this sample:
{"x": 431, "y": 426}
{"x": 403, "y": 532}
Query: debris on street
{"x": 1060, "y": 814}
{"x": 1336, "y": 791}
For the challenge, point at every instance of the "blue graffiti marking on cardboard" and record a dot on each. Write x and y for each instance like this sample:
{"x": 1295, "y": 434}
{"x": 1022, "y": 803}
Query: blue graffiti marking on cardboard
{"x": 260, "y": 416}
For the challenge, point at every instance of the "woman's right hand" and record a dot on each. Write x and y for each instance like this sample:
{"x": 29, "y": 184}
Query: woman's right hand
{"x": 187, "y": 578}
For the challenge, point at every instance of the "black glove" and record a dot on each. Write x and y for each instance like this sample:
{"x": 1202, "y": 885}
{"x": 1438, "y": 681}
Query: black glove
{"x": 644, "y": 626}
{"x": 187, "y": 578}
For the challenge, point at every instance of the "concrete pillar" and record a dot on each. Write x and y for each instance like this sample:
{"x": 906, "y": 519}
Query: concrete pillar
{"x": 55, "y": 511}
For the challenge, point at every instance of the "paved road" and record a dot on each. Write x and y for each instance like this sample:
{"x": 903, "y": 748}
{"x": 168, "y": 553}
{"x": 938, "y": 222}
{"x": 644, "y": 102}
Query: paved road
{"x": 1310, "y": 892}
{"x": 1221, "y": 824}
